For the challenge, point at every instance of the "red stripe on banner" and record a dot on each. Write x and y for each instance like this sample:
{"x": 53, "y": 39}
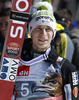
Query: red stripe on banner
{"x": 6, "y": 89}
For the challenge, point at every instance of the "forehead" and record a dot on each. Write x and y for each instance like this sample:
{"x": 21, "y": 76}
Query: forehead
{"x": 43, "y": 26}
{"x": 4, "y": 18}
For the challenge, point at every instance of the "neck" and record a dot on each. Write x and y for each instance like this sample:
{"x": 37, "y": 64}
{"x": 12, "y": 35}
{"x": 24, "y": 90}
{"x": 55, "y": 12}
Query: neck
{"x": 40, "y": 49}
{"x": 37, "y": 53}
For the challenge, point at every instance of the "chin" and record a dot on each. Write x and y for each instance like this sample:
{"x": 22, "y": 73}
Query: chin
{"x": 43, "y": 48}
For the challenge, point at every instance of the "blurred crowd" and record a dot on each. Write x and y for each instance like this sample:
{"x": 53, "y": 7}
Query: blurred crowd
{"x": 66, "y": 13}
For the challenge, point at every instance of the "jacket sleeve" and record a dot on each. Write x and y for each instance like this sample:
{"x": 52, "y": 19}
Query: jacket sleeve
{"x": 70, "y": 81}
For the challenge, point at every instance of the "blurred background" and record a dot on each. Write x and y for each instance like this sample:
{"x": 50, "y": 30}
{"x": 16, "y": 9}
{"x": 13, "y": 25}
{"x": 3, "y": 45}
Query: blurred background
{"x": 72, "y": 5}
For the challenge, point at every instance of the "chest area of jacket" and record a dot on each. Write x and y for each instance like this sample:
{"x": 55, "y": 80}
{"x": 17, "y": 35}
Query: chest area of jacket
{"x": 38, "y": 70}
{"x": 40, "y": 78}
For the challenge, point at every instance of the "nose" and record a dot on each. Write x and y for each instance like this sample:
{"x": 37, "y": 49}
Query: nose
{"x": 43, "y": 32}
{"x": 3, "y": 27}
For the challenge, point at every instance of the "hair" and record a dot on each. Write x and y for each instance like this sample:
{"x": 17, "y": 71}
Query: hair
{"x": 5, "y": 12}
{"x": 63, "y": 15}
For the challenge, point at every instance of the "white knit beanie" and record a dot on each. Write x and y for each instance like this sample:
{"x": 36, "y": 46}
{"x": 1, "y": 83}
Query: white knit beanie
{"x": 42, "y": 17}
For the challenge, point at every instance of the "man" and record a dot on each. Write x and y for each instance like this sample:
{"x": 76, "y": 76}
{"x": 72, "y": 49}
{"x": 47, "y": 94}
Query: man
{"x": 42, "y": 75}
{"x": 4, "y": 19}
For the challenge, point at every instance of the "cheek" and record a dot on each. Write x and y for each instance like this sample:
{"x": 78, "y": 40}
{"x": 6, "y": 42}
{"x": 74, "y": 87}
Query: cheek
{"x": 51, "y": 36}
{"x": 34, "y": 37}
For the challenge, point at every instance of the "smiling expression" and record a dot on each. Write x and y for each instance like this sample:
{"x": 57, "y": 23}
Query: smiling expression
{"x": 41, "y": 37}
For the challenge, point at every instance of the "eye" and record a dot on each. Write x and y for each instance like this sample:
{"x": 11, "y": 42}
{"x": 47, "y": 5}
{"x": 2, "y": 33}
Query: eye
{"x": 38, "y": 29}
{"x": 48, "y": 29}
{"x": 53, "y": 83}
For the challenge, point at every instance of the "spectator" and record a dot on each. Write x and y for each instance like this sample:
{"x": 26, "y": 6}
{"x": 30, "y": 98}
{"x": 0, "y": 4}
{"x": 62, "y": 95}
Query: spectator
{"x": 1, "y": 5}
{"x": 62, "y": 41}
{"x": 8, "y": 4}
{"x": 72, "y": 5}
{"x": 74, "y": 35}
{"x": 4, "y": 19}
{"x": 5, "y": 4}
{"x": 42, "y": 75}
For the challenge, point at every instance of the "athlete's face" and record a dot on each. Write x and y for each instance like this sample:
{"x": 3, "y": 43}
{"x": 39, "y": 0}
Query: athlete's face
{"x": 41, "y": 37}
{"x": 3, "y": 25}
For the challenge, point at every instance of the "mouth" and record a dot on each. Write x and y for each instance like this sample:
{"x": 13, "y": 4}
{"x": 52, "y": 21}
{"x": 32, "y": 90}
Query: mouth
{"x": 42, "y": 40}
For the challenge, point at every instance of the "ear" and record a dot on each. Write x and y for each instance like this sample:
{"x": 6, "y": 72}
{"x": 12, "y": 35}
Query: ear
{"x": 52, "y": 34}
{"x": 68, "y": 23}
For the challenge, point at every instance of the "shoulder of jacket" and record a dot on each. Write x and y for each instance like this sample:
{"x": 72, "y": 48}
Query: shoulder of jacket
{"x": 26, "y": 49}
{"x": 27, "y": 44}
{"x": 60, "y": 60}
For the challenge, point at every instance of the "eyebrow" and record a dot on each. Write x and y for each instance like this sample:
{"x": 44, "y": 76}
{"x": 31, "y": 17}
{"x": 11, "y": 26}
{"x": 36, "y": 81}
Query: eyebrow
{"x": 43, "y": 27}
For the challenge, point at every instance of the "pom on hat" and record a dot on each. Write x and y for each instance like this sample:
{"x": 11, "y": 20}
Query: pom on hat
{"x": 42, "y": 17}
{"x": 47, "y": 1}
{"x": 42, "y": 5}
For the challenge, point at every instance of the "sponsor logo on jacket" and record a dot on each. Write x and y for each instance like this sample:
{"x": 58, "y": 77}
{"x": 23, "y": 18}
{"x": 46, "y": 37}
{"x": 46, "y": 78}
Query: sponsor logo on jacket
{"x": 75, "y": 78}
